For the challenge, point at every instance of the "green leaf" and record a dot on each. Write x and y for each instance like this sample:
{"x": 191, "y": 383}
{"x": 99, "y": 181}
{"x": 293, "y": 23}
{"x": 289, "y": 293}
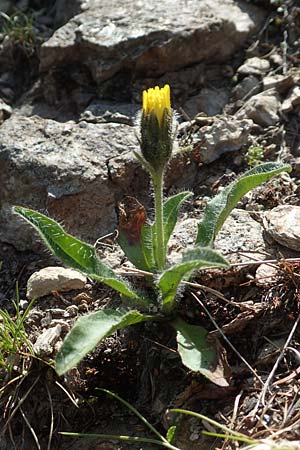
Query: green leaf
{"x": 139, "y": 252}
{"x": 89, "y": 330}
{"x": 171, "y": 434}
{"x": 192, "y": 259}
{"x": 197, "y": 352}
{"x": 73, "y": 252}
{"x": 170, "y": 213}
{"x": 219, "y": 208}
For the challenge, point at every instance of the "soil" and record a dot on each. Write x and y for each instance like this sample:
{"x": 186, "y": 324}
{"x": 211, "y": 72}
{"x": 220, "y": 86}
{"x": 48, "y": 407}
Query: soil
{"x": 140, "y": 363}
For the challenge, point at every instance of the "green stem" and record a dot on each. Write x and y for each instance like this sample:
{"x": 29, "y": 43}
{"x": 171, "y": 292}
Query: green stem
{"x": 120, "y": 438}
{"x": 159, "y": 247}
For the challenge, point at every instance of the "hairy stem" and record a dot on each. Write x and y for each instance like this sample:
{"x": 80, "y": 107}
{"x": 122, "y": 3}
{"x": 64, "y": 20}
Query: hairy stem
{"x": 160, "y": 251}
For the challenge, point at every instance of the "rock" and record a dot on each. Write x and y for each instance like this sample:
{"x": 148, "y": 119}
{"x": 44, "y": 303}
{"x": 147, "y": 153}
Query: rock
{"x": 71, "y": 311}
{"x": 115, "y": 112}
{"x": 75, "y": 172}
{"x": 209, "y": 101}
{"x": 23, "y": 304}
{"x": 262, "y": 108}
{"x": 150, "y": 38}
{"x": 183, "y": 236}
{"x": 283, "y": 225}
{"x": 44, "y": 345}
{"x": 292, "y": 100}
{"x": 249, "y": 86}
{"x": 226, "y": 134}
{"x": 281, "y": 83}
{"x": 65, "y": 326}
{"x": 276, "y": 59}
{"x": 266, "y": 274}
{"x": 240, "y": 233}
{"x": 51, "y": 279}
{"x": 254, "y": 66}
{"x": 5, "y": 111}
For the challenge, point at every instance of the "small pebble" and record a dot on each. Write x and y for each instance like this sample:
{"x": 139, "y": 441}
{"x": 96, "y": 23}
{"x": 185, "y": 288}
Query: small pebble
{"x": 23, "y": 304}
{"x": 71, "y": 311}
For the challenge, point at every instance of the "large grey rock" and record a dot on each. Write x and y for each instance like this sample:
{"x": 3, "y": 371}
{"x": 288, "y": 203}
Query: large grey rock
{"x": 249, "y": 86}
{"x": 226, "y": 134}
{"x": 75, "y": 172}
{"x": 209, "y": 101}
{"x": 239, "y": 234}
{"x": 262, "y": 108}
{"x": 150, "y": 38}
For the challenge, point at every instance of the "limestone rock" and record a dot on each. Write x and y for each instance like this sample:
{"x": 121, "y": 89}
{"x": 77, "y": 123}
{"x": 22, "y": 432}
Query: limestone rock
{"x": 281, "y": 83}
{"x": 45, "y": 343}
{"x": 226, "y": 134}
{"x": 292, "y": 100}
{"x": 254, "y": 66}
{"x": 283, "y": 225}
{"x": 240, "y": 233}
{"x": 150, "y": 38}
{"x": 249, "y": 86}
{"x": 266, "y": 274}
{"x": 51, "y": 279}
{"x": 209, "y": 101}
{"x": 75, "y": 172}
{"x": 262, "y": 108}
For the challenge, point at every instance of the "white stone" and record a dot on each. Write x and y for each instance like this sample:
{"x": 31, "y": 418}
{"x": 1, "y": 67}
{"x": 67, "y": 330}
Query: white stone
{"x": 283, "y": 225}
{"x": 51, "y": 279}
{"x": 44, "y": 344}
{"x": 254, "y": 66}
{"x": 262, "y": 108}
{"x": 292, "y": 100}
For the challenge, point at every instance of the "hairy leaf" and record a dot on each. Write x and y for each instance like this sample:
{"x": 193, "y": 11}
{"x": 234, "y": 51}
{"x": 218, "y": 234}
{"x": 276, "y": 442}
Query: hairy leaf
{"x": 139, "y": 252}
{"x": 198, "y": 352}
{"x": 192, "y": 259}
{"x": 219, "y": 208}
{"x": 89, "y": 330}
{"x": 73, "y": 252}
{"x": 170, "y": 213}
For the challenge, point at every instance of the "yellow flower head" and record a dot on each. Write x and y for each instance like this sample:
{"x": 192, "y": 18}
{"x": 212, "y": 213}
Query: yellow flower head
{"x": 157, "y": 100}
{"x": 157, "y": 127}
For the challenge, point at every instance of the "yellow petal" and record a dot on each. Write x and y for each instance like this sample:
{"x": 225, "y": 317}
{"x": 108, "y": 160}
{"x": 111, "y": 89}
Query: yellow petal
{"x": 156, "y": 100}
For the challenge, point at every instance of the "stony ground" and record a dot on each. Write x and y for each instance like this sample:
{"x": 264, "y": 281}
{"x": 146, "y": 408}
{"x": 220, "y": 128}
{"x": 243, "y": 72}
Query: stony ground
{"x": 71, "y": 76}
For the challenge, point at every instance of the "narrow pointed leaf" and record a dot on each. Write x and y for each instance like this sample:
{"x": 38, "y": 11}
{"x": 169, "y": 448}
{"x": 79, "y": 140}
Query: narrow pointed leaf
{"x": 89, "y": 330}
{"x": 219, "y": 208}
{"x": 192, "y": 259}
{"x": 170, "y": 213}
{"x": 73, "y": 252}
{"x": 198, "y": 352}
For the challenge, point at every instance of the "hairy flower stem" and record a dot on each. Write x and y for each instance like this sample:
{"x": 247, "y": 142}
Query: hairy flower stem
{"x": 159, "y": 248}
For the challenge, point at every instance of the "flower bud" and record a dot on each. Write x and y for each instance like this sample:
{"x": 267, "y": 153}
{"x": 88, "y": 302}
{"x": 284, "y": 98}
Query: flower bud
{"x": 157, "y": 133}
